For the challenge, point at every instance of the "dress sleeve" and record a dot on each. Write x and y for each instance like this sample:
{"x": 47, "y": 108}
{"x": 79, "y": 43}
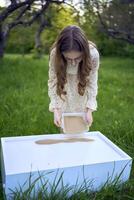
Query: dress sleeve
{"x": 92, "y": 88}
{"x": 55, "y": 100}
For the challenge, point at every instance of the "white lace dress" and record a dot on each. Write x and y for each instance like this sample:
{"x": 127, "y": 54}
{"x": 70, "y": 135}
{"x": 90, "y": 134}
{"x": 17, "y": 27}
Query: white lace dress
{"x": 73, "y": 101}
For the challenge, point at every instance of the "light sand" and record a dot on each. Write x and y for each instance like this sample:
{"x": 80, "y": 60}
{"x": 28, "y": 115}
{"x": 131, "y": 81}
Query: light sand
{"x": 74, "y": 124}
{"x": 68, "y": 140}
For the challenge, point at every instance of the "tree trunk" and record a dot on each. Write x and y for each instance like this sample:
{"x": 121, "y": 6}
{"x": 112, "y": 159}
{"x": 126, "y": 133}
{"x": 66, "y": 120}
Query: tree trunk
{"x": 38, "y": 42}
{"x": 2, "y": 41}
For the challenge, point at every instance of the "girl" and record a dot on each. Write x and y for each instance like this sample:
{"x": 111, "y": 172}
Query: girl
{"x": 73, "y": 74}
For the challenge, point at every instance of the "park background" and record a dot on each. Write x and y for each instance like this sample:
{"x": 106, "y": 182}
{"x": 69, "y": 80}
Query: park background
{"x": 25, "y": 41}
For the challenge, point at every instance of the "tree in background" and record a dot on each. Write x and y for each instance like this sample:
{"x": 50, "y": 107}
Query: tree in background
{"x": 60, "y": 16}
{"x": 39, "y": 22}
{"x": 18, "y": 13}
{"x": 109, "y": 23}
{"x": 116, "y": 18}
{"x": 24, "y": 13}
{"x": 57, "y": 15}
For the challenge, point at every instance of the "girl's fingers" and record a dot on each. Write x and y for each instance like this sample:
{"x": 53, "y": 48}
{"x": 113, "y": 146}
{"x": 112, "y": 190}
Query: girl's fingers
{"x": 86, "y": 119}
{"x": 57, "y": 118}
{"x": 57, "y": 123}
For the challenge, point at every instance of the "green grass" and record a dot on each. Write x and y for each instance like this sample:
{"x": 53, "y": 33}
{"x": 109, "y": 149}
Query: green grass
{"x": 24, "y": 107}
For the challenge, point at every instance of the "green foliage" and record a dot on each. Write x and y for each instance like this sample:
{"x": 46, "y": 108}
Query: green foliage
{"x": 37, "y": 53}
{"x": 122, "y": 17}
{"x": 111, "y": 47}
{"x": 61, "y": 16}
{"x": 21, "y": 39}
{"x": 24, "y": 108}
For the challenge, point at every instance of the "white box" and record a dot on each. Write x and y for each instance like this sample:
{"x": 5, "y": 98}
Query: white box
{"x": 98, "y": 159}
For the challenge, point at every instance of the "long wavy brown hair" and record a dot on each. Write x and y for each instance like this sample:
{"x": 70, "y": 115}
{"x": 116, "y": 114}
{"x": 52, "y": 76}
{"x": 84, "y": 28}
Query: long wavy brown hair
{"x": 72, "y": 37}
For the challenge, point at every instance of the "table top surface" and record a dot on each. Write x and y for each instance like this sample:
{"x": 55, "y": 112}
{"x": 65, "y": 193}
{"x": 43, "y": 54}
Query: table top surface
{"x": 20, "y": 153}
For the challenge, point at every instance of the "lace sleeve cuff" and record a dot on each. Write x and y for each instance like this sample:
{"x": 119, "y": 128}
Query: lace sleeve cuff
{"x": 92, "y": 103}
{"x": 53, "y": 105}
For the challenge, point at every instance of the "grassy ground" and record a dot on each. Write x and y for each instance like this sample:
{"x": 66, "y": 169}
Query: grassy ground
{"x": 24, "y": 107}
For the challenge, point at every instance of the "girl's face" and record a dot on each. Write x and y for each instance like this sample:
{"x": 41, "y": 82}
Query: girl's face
{"x": 72, "y": 57}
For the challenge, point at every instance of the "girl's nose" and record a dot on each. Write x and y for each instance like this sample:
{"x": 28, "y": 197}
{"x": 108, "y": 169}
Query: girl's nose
{"x": 73, "y": 62}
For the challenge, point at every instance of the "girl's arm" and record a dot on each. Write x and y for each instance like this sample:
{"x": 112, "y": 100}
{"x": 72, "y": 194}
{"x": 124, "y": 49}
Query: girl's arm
{"x": 55, "y": 101}
{"x": 92, "y": 89}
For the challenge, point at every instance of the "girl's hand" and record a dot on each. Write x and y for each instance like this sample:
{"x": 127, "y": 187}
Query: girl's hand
{"x": 57, "y": 117}
{"x": 89, "y": 117}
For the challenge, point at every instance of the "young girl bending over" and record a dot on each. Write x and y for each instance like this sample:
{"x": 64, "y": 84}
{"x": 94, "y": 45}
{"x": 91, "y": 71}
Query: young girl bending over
{"x": 73, "y": 74}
